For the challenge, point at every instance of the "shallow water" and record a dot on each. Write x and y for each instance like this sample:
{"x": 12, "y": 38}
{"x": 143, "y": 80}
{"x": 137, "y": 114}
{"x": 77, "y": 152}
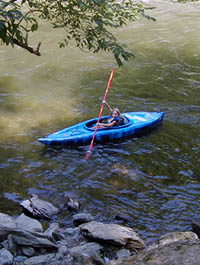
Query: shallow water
{"x": 152, "y": 182}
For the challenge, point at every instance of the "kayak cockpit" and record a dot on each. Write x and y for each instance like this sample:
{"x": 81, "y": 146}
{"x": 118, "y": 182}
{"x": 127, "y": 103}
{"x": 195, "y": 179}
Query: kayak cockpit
{"x": 90, "y": 125}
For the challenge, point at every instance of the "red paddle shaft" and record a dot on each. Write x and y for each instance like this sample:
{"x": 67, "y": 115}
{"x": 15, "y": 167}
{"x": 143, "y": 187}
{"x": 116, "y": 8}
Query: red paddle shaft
{"x": 100, "y": 113}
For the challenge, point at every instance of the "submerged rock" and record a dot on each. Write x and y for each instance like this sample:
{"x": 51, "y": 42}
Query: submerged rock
{"x": 72, "y": 204}
{"x": 81, "y": 218}
{"x": 123, "y": 217}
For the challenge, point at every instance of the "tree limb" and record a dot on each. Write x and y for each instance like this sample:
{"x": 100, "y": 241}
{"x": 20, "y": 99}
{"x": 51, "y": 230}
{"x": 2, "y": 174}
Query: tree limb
{"x": 26, "y": 47}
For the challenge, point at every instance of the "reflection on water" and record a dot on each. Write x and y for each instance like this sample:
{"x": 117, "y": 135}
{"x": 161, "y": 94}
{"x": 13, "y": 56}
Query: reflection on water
{"x": 151, "y": 182}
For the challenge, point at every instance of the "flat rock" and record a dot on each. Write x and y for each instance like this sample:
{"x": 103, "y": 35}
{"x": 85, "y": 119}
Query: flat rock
{"x": 32, "y": 239}
{"x": 27, "y": 238}
{"x": 39, "y": 208}
{"x": 40, "y": 260}
{"x": 7, "y": 221}
{"x": 26, "y": 223}
{"x": 113, "y": 234}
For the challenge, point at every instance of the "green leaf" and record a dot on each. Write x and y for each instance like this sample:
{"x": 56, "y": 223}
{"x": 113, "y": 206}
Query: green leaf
{"x": 34, "y": 27}
{"x": 61, "y": 45}
{"x": 118, "y": 60}
{"x": 7, "y": 40}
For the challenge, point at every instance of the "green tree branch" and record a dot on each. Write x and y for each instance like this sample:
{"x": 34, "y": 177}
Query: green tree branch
{"x": 88, "y": 22}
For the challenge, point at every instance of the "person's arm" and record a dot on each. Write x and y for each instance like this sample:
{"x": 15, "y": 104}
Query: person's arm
{"x": 107, "y": 105}
{"x": 104, "y": 125}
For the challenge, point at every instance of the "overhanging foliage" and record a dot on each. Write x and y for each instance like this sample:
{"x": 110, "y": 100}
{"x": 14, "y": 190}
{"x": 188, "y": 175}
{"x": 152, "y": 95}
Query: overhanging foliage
{"x": 88, "y": 22}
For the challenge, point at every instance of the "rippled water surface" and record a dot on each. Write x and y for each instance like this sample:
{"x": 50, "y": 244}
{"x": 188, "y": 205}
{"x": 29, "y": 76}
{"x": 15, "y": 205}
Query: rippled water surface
{"x": 150, "y": 183}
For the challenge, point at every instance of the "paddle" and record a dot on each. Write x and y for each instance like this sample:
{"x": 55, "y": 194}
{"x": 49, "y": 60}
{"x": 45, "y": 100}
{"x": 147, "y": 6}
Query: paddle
{"x": 100, "y": 113}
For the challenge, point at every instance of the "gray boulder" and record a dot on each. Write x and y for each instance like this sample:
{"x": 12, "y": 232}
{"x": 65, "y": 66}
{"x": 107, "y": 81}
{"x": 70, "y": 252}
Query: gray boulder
{"x": 179, "y": 248}
{"x": 88, "y": 249}
{"x": 27, "y": 238}
{"x": 39, "y": 208}
{"x": 173, "y": 237}
{"x": 86, "y": 253}
{"x": 40, "y": 260}
{"x": 26, "y": 223}
{"x": 178, "y": 253}
{"x": 6, "y": 258}
{"x": 32, "y": 239}
{"x": 7, "y": 221}
{"x": 112, "y": 234}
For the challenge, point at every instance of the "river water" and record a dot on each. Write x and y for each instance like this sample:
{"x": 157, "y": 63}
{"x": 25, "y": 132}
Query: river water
{"x": 152, "y": 182}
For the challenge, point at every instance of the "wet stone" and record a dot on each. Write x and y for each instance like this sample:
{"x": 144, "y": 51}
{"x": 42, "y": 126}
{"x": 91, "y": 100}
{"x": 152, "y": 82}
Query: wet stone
{"x": 39, "y": 208}
{"x": 72, "y": 204}
{"x": 81, "y": 218}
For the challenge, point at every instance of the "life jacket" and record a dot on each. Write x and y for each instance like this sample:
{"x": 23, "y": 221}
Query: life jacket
{"x": 120, "y": 120}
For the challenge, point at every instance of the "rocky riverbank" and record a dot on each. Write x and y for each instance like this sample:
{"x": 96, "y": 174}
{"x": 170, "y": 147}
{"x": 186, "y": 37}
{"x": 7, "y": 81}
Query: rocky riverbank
{"x": 89, "y": 242}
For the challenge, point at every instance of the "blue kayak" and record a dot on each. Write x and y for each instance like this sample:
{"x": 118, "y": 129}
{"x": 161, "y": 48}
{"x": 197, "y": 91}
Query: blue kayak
{"x": 136, "y": 123}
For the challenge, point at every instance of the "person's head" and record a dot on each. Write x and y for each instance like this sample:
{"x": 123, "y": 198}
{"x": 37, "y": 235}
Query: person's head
{"x": 115, "y": 113}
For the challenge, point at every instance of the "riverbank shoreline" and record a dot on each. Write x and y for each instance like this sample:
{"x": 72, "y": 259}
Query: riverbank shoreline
{"x": 25, "y": 242}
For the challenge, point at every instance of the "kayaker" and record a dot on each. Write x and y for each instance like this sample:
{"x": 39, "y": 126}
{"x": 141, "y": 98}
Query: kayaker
{"x": 115, "y": 118}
